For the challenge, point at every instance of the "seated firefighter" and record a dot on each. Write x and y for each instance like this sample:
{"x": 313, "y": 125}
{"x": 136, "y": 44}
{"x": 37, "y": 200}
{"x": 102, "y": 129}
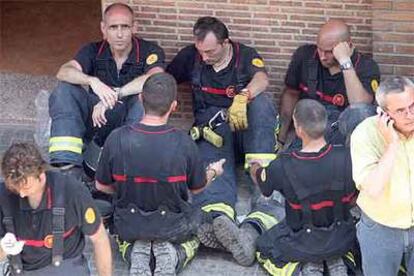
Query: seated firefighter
{"x": 113, "y": 69}
{"x": 150, "y": 167}
{"x": 227, "y": 78}
{"x": 316, "y": 182}
{"x": 45, "y": 216}
{"x": 335, "y": 74}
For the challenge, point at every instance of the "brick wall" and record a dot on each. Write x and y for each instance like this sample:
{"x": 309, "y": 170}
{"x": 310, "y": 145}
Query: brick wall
{"x": 393, "y": 31}
{"x": 276, "y": 27}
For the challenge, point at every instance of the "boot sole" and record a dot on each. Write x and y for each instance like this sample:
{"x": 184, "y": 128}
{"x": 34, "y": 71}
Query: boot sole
{"x": 207, "y": 236}
{"x": 227, "y": 233}
{"x": 166, "y": 259}
{"x": 140, "y": 259}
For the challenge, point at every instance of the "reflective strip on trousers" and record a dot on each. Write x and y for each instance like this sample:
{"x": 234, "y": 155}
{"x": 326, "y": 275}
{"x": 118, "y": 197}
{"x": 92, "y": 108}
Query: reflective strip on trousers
{"x": 219, "y": 207}
{"x": 266, "y": 220}
{"x": 265, "y": 159}
{"x": 287, "y": 270}
{"x": 123, "y": 247}
{"x": 65, "y": 143}
{"x": 350, "y": 257}
{"x": 190, "y": 248}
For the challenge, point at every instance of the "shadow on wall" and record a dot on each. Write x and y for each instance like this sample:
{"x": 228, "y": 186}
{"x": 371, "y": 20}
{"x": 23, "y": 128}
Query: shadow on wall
{"x": 37, "y": 36}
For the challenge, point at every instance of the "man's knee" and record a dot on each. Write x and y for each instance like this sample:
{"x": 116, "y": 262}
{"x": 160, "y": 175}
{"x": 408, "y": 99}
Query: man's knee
{"x": 353, "y": 115}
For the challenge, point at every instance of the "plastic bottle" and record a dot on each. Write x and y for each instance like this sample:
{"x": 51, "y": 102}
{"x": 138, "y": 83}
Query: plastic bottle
{"x": 43, "y": 120}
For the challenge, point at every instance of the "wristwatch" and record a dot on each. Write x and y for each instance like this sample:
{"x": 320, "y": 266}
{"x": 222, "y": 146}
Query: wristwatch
{"x": 346, "y": 65}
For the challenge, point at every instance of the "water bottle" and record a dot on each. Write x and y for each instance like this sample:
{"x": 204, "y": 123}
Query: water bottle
{"x": 43, "y": 120}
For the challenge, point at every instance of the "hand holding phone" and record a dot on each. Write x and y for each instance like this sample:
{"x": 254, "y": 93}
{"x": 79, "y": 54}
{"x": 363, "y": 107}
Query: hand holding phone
{"x": 386, "y": 126}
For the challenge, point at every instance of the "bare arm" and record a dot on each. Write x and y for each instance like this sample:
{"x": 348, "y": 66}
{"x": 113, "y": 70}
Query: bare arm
{"x": 2, "y": 255}
{"x": 355, "y": 91}
{"x": 104, "y": 188}
{"x": 102, "y": 250}
{"x": 135, "y": 86}
{"x": 258, "y": 84}
{"x": 288, "y": 101}
{"x": 71, "y": 72}
{"x": 213, "y": 170}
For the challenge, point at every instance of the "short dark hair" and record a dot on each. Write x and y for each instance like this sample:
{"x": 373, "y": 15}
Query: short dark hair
{"x": 311, "y": 116}
{"x": 116, "y": 5}
{"x": 20, "y": 161}
{"x": 159, "y": 91}
{"x": 207, "y": 24}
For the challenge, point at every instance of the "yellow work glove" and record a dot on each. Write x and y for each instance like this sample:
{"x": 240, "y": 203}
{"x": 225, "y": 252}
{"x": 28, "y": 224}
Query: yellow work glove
{"x": 238, "y": 112}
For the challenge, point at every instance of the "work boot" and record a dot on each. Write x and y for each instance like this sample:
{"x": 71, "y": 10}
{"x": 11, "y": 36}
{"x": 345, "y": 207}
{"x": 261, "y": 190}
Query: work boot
{"x": 240, "y": 242}
{"x": 140, "y": 259}
{"x": 166, "y": 259}
{"x": 207, "y": 237}
{"x": 337, "y": 267}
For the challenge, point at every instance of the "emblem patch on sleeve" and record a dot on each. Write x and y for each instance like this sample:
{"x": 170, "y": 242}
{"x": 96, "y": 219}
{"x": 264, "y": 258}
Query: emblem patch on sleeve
{"x": 263, "y": 175}
{"x": 151, "y": 59}
{"x": 374, "y": 85}
{"x": 90, "y": 216}
{"x": 258, "y": 62}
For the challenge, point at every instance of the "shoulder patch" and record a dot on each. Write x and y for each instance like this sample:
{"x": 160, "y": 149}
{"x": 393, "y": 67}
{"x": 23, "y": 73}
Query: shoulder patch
{"x": 258, "y": 62}
{"x": 263, "y": 175}
{"x": 90, "y": 216}
{"x": 374, "y": 85}
{"x": 151, "y": 59}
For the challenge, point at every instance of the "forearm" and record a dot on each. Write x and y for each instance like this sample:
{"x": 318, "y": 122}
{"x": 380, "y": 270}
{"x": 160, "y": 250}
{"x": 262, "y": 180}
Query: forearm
{"x": 104, "y": 188}
{"x": 3, "y": 255}
{"x": 103, "y": 254}
{"x": 135, "y": 86}
{"x": 375, "y": 182}
{"x": 288, "y": 101}
{"x": 258, "y": 84}
{"x": 355, "y": 91}
{"x": 73, "y": 75}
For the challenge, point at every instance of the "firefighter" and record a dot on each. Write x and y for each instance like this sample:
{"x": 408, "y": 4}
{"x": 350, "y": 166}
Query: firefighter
{"x": 150, "y": 167}
{"x": 334, "y": 73}
{"x": 228, "y": 79}
{"x": 114, "y": 69}
{"x": 316, "y": 182}
{"x": 45, "y": 216}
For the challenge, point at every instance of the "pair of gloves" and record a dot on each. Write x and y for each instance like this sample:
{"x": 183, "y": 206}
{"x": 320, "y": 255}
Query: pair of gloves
{"x": 10, "y": 245}
{"x": 237, "y": 112}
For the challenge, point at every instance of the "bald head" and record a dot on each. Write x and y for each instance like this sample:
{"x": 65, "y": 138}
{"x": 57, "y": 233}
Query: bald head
{"x": 333, "y": 32}
{"x": 118, "y": 8}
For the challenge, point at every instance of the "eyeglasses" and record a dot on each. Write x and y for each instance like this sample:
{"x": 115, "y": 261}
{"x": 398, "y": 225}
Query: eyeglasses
{"x": 403, "y": 112}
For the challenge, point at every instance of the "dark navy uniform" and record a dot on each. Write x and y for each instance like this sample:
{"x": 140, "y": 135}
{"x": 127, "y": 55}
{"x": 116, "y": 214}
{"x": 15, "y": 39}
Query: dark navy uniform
{"x": 307, "y": 75}
{"x": 314, "y": 201}
{"x": 213, "y": 91}
{"x": 34, "y": 226}
{"x": 71, "y": 107}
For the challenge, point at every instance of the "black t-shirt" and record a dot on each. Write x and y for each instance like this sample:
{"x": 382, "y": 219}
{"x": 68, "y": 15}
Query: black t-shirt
{"x": 34, "y": 225}
{"x": 188, "y": 66}
{"x": 315, "y": 171}
{"x": 297, "y": 76}
{"x": 96, "y": 60}
{"x": 150, "y": 166}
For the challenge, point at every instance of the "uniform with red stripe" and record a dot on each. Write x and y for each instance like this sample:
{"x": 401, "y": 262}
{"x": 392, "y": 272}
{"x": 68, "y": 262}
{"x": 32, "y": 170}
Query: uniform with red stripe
{"x": 329, "y": 87}
{"x": 314, "y": 172}
{"x": 34, "y": 225}
{"x": 159, "y": 155}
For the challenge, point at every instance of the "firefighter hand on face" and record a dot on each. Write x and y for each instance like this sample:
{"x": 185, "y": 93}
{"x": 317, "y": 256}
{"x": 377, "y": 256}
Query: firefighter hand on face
{"x": 105, "y": 93}
{"x": 238, "y": 111}
{"x": 10, "y": 245}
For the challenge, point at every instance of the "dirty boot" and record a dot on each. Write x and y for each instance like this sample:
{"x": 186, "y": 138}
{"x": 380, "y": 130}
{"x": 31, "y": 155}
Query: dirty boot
{"x": 166, "y": 259}
{"x": 140, "y": 259}
{"x": 240, "y": 242}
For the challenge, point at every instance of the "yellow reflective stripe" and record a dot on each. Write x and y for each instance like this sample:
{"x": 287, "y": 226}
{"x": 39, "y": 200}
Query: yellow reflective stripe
{"x": 219, "y": 207}
{"x": 265, "y": 157}
{"x": 65, "y": 143}
{"x": 272, "y": 269}
{"x": 267, "y": 220}
{"x": 190, "y": 248}
{"x": 122, "y": 247}
{"x": 350, "y": 257}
